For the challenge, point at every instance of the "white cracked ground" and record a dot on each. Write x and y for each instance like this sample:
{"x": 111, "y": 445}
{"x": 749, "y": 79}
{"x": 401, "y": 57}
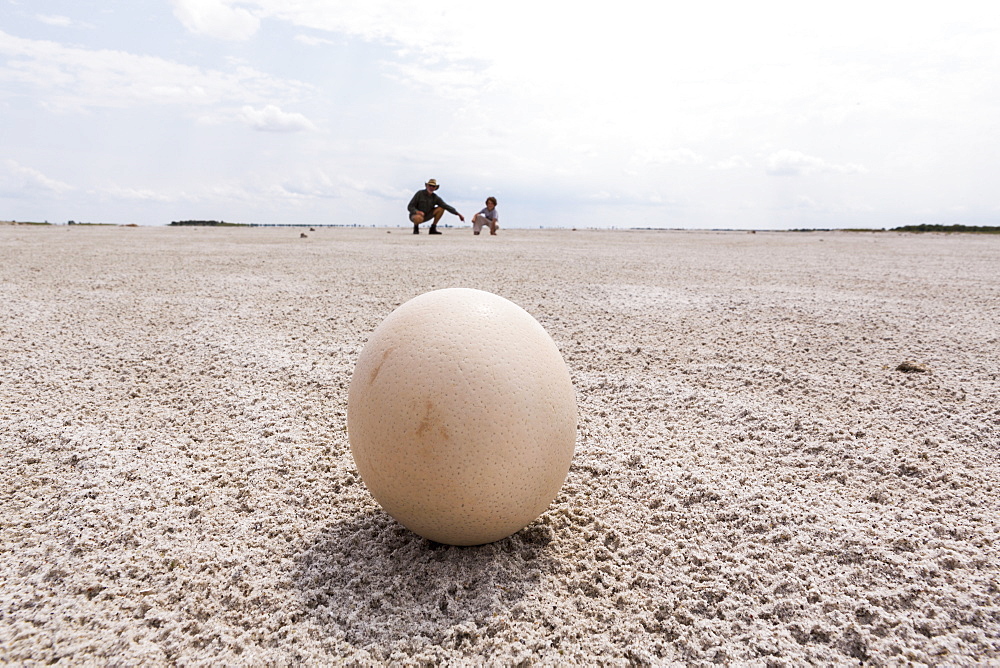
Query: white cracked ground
{"x": 754, "y": 482}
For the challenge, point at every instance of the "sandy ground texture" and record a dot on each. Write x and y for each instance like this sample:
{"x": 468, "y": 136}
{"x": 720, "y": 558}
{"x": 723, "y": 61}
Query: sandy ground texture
{"x": 755, "y": 479}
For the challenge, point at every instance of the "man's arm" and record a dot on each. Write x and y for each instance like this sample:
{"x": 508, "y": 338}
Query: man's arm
{"x": 444, "y": 205}
{"x": 412, "y": 206}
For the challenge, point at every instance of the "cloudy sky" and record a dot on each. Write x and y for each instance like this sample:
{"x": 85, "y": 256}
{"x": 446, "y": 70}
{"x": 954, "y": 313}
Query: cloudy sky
{"x": 715, "y": 114}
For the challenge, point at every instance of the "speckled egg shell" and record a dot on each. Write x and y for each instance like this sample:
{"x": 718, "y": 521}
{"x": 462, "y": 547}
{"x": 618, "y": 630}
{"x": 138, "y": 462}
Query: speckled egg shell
{"x": 462, "y": 416}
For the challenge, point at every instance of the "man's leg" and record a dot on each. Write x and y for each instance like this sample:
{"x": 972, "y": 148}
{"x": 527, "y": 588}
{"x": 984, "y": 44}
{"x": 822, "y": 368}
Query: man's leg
{"x": 416, "y": 219}
{"x": 438, "y": 212}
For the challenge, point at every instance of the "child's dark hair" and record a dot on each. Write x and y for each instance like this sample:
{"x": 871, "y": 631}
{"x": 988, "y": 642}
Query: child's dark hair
{"x": 491, "y": 199}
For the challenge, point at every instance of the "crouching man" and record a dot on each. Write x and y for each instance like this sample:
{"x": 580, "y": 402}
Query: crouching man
{"x": 426, "y": 205}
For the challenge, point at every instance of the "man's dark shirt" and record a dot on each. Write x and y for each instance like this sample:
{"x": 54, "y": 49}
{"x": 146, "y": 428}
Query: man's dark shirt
{"x": 426, "y": 202}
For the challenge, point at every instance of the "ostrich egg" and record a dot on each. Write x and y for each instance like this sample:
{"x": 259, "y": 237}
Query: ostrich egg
{"x": 461, "y": 416}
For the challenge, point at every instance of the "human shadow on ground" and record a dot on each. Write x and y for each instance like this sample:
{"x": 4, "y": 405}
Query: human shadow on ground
{"x": 369, "y": 580}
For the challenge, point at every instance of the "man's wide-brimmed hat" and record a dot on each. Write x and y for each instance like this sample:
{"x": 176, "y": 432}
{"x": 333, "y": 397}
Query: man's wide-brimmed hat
{"x": 432, "y": 183}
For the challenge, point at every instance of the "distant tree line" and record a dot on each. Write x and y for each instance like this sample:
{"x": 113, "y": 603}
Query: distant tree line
{"x": 977, "y": 229}
{"x": 969, "y": 229}
{"x": 206, "y": 222}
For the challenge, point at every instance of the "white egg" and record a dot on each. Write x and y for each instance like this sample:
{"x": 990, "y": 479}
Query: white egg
{"x": 462, "y": 416}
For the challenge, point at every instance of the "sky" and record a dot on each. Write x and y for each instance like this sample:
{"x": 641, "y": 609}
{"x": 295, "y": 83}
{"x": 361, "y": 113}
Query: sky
{"x": 713, "y": 114}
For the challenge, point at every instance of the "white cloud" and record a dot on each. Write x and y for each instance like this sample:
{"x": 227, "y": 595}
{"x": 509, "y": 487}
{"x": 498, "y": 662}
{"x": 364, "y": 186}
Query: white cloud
{"x": 54, "y": 20}
{"x": 69, "y": 78}
{"x": 380, "y": 191}
{"x": 269, "y": 188}
{"x": 732, "y": 162}
{"x": 793, "y": 163}
{"x": 673, "y": 156}
{"x": 454, "y": 81}
{"x": 272, "y": 119}
{"x": 137, "y": 194}
{"x": 807, "y": 203}
{"x": 396, "y": 21}
{"x": 310, "y": 40}
{"x": 216, "y": 18}
{"x": 17, "y": 180}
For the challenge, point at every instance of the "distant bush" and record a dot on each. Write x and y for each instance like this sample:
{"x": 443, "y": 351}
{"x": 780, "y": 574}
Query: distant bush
{"x": 974, "y": 229}
{"x": 206, "y": 222}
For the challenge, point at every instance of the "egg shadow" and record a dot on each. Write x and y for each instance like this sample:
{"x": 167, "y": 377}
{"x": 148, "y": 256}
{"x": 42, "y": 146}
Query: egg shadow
{"x": 370, "y": 581}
